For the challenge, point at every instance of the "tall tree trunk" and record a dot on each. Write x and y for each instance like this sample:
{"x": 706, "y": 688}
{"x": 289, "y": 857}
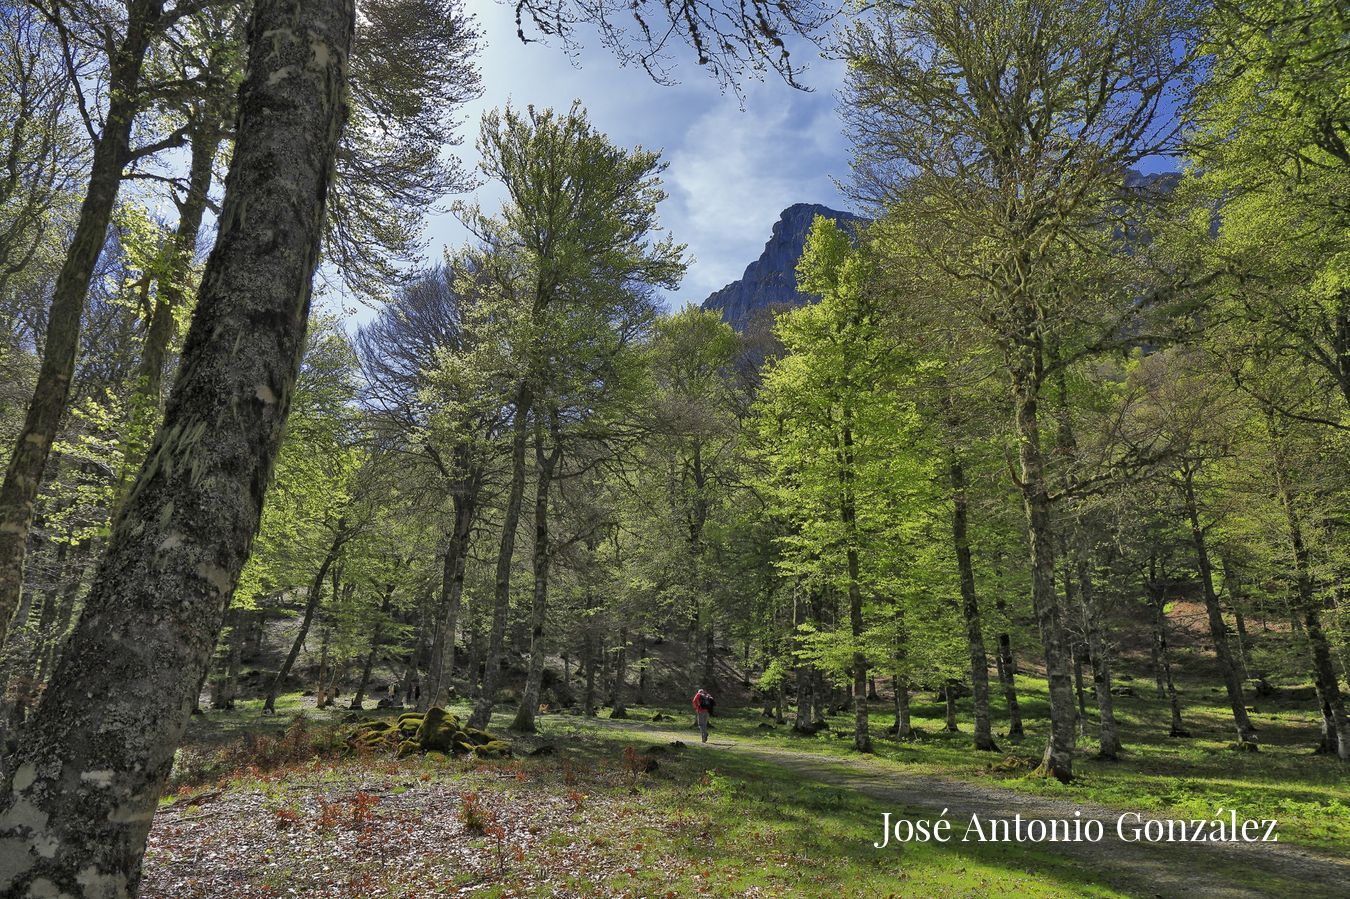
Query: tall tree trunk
{"x": 970, "y": 604}
{"x": 76, "y": 808}
{"x": 112, "y": 151}
{"x": 501, "y": 598}
{"x": 642, "y": 669}
{"x": 1007, "y": 673}
{"x": 1159, "y": 601}
{"x": 145, "y": 401}
{"x": 903, "y": 728}
{"x": 1218, "y": 630}
{"x": 949, "y": 698}
{"x": 588, "y": 663}
{"x": 376, "y": 641}
{"x": 1324, "y": 672}
{"x": 311, "y": 606}
{"x": 321, "y": 698}
{"x": 1058, "y": 759}
{"x": 224, "y": 689}
{"x": 618, "y": 709}
{"x": 534, "y": 677}
{"x": 452, "y": 592}
{"x": 848, "y": 514}
{"x": 802, "y": 719}
{"x": 1099, "y": 651}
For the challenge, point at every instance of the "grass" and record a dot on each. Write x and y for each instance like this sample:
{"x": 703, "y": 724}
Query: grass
{"x": 1308, "y": 794}
{"x": 587, "y": 821}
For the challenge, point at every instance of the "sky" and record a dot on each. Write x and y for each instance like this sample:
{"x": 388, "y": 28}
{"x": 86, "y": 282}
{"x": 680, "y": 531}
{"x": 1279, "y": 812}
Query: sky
{"x": 731, "y": 169}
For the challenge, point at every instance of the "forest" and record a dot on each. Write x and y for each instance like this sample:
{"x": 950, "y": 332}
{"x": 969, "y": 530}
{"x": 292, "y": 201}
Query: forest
{"x": 1045, "y": 489}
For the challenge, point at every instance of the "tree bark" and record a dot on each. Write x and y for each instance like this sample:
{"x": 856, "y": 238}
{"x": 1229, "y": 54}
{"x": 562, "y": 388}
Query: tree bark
{"x": 1218, "y": 630}
{"x": 534, "y": 677}
{"x": 452, "y": 592}
{"x": 33, "y": 444}
{"x": 1324, "y": 671}
{"x": 501, "y": 599}
{"x": 1099, "y": 651}
{"x": 75, "y": 811}
{"x": 848, "y": 515}
{"x": 225, "y": 687}
{"x": 311, "y": 606}
{"x": 1159, "y": 602}
{"x": 618, "y": 709}
{"x": 588, "y": 662}
{"x": 1058, "y": 759}
{"x": 970, "y": 604}
{"x": 172, "y": 295}
{"x": 1007, "y": 672}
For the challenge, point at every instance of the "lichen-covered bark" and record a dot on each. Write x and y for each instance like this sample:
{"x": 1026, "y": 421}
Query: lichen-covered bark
{"x": 1058, "y": 759}
{"x": 545, "y": 463}
{"x": 501, "y": 599}
{"x": 452, "y": 590}
{"x": 970, "y": 604}
{"x": 61, "y": 341}
{"x": 75, "y": 811}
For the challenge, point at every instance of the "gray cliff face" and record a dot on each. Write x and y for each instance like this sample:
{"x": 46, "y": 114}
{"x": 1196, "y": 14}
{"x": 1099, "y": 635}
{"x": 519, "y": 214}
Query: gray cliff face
{"x": 771, "y": 280}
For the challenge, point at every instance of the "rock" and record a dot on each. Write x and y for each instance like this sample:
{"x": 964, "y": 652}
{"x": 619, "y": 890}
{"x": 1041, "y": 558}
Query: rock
{"x": 771, "y": 280}
{"x": 546, "y": 749}
{"x": 436, "y": 731}
{"x": 1122, "y": 691}
{"x": 478, "y": 737}
{"x": 494, "y": 749}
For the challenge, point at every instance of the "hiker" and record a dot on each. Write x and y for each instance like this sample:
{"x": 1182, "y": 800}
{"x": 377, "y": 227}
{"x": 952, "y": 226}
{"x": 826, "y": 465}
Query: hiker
{"x": 703, "y": 705}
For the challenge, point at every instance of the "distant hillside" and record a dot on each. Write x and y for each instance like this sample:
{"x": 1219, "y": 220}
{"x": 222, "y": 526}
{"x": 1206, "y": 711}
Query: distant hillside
{"x": 771, "y": 279}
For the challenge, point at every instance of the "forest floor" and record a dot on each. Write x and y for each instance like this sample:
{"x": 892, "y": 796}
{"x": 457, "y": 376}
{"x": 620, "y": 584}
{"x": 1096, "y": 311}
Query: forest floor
{"x": 757, "y": 812}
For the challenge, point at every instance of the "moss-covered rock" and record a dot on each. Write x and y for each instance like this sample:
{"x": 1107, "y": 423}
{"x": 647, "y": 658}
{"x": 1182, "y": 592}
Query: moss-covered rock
{"x": 478, "y": 737}
{"x": 438, "y": 730}
{"x": 494, "y": 749}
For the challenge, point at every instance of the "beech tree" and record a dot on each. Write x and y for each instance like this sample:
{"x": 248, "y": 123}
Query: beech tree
{"x": 1004, "y": 132}
{"x": 79, "y": 799}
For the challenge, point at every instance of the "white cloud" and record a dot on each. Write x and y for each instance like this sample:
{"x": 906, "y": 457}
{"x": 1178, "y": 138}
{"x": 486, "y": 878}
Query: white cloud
{"x": 731, "y": 170}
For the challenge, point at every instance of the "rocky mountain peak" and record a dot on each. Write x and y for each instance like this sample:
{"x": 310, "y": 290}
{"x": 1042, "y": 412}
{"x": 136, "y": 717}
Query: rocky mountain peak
{"x": 771, "y": 280}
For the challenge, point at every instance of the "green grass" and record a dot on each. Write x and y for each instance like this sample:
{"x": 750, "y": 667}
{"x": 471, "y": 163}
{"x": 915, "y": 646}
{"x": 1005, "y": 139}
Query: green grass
{"x": 748, "y": 825}
{"x": 1308, "y": 794}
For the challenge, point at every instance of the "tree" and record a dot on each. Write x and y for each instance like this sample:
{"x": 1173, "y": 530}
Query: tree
{"x": 83, "y": 793}
{"x": 574, "y": 238}
{"x": 1003, "y": 132}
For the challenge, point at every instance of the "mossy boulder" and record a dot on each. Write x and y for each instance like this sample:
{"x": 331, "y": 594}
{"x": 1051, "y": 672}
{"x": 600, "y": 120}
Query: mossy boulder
{"x": 437, "y": 730}
{"x": 478, "y": 737}
{"x": 494, "y": 749}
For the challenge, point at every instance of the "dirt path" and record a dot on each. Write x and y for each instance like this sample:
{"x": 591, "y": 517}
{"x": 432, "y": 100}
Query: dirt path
{"x": 1220, "y": 869}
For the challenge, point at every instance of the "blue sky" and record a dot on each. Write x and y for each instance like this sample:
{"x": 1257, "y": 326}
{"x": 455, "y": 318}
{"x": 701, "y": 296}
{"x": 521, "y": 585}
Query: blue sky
{"x": 732, "y": 169}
